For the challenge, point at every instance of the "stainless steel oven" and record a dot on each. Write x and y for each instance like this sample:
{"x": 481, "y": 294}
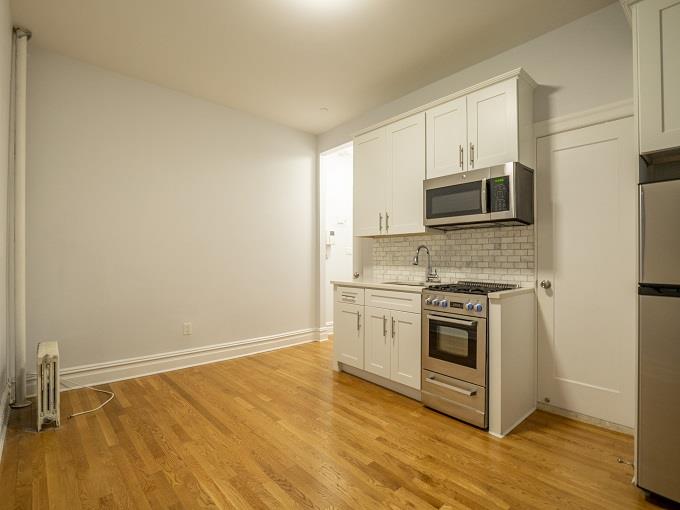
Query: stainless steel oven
{"x": 454, "y": 354}
{"x": 502, "y": 194}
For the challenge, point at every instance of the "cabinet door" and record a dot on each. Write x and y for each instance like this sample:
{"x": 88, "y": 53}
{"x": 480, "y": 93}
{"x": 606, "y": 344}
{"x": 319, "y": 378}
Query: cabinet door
{"x": 406, "y": 349}
{"x": 492, "y": 125}
{"x": 377, "y": 348}
{"x": 370, "y": 183}
{"x": 657, "y": 34}
{"x": 406, "y": 158}
{"x": 348, "y": 334}
{"x": 447, "y": 138}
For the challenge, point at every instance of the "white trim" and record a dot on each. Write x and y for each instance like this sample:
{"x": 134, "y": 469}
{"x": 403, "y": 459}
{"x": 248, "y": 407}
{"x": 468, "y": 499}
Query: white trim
{"x": 512, "y": 427}
{"x": 518, "y": 73}
{"x": 598, "y": 115}
{"x": 4, "y": 417}
{"x": 117, "y": 370}
{"x": 584, "y": 418}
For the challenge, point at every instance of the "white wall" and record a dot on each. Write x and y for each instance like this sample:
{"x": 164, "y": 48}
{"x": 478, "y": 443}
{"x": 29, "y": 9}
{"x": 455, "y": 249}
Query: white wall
{"x": 5, "y": 73}
{"x": 148, "y": 208}
{"x": 584, "y": 64}
{"x": 337, "y": 177}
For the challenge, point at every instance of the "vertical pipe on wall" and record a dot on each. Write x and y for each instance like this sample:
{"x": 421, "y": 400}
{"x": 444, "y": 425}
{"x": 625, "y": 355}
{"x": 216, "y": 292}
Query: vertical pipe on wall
{"x": 22, "y": 37}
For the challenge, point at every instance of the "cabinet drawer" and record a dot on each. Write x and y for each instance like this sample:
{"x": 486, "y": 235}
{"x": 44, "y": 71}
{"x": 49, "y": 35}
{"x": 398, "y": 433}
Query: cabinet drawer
{"x": 353, "y": 295}
{"x": 393, "y": 300}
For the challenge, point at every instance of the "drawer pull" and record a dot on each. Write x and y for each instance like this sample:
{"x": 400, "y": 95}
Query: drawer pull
{"x": 463, "y": 391}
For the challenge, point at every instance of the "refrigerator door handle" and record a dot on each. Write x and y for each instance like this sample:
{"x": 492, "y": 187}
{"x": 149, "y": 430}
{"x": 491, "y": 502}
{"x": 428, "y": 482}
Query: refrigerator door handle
{"x": 642, "y": 235}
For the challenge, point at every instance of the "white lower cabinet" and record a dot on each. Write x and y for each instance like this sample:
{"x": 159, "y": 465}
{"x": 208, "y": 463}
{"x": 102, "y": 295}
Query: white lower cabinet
{"x": 392, "y": 345}
{"x": 348, "y": 326}
{"x": 406, "y": 349}
{"x": 376, "y": 344}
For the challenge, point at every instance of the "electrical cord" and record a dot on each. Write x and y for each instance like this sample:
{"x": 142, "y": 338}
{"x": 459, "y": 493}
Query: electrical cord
{"x": 111, "y": 394}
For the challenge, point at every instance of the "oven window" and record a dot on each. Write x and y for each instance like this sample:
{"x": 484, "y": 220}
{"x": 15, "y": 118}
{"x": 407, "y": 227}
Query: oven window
{"x": 453, "y": 343}
{"x": 457, "y": 200}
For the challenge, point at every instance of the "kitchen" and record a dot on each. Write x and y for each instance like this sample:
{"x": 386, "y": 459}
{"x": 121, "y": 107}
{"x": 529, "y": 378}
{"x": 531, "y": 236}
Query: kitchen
{"x": 466, "y": 247}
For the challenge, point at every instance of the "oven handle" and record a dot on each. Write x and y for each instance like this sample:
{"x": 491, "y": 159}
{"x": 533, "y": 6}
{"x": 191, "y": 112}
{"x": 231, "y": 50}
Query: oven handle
{"x": 453, "y": 321}
{"x": 469, "y": 393}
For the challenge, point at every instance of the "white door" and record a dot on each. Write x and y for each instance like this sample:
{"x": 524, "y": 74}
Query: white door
{"x": 348, "y": 331}
{"x": 492, "y": 125}
{"x": 657, "y": 24}
{"x": 406, "y": 350}
{"x": 586, "y": 248}
{"x": 406, "y": 159}
{"x": 370, "y": 183}
{"x": 377, "y": 349}
{"x": 447, "y": 138}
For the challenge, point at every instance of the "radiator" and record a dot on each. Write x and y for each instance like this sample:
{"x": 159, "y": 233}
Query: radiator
{"x": 47, "y": 386}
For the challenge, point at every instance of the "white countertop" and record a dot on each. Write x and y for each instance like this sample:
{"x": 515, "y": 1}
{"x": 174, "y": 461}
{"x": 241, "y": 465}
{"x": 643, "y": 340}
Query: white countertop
{"x": 417, "y": 289}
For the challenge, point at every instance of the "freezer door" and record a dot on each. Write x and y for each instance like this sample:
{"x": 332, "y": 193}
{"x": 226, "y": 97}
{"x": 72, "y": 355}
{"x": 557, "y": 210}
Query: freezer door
{"x": 660, "y": 232}
{"x": 659, "y": 388}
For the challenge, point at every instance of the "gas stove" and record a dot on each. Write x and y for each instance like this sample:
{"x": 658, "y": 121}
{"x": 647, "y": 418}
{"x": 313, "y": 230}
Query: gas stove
{"x": 464, "y": 287}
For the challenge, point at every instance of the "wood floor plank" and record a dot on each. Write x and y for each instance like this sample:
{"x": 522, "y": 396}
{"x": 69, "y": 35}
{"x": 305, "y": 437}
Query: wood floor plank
{"x": 282, "y": 430}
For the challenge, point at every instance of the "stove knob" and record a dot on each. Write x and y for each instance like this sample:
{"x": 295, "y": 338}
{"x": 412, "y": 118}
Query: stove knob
{"x": 428, "y": 301}
{"x": 435, "y": 301}
{"x": 478, "y": 307}
{"x": 468, "y": 307}
{"x": 444, "y": 303}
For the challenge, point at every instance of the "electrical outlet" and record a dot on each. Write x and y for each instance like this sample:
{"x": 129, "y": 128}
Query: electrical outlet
{"x": 187, "y": 329}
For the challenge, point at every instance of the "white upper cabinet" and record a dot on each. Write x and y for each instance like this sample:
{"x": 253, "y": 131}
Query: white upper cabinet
{"x": 493, "y": 125}
{"x": 447, "y": 138}
{"x": 656, "y": 29}
{"x": 389, "y": 168}
{"x": 370, "y": 183}
{"x": 406, "y": 159}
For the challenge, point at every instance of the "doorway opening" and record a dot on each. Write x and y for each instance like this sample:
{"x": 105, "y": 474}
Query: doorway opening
{"x": 336, "y": 236}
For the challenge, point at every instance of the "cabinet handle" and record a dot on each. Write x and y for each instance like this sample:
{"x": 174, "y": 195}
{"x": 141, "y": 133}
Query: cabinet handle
{"x": 460, "y": 156}
{"x": 472, "y": 155}
{"x": 387, "y": 222}
{"x": 358, "y": 321}
{"x": 380, "y": 221}
{"x": 392, "y": 329}
{"x": 385, "y": 327}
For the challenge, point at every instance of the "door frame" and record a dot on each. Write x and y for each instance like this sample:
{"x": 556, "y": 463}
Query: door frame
{"x": 326, "y": 327}
{"x": 586, "y": 118}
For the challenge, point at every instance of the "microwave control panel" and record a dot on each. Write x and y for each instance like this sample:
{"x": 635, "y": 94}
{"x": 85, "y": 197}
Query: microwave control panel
{"x": 499, "y": 194}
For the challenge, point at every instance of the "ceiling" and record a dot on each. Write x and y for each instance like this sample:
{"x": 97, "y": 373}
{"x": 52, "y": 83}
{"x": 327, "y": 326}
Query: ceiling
{"x": 309, "y": 64}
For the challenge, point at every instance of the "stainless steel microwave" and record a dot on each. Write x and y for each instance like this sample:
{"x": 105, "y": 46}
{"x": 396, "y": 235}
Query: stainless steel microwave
{"x": 498, "y": 195}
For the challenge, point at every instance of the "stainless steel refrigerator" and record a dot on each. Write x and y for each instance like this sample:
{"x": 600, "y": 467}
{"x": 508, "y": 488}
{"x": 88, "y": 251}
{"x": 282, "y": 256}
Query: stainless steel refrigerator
{"x": 658, "y": 433}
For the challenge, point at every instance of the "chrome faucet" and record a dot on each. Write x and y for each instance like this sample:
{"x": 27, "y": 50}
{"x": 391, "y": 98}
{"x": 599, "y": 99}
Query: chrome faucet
{"x": 432, "y": 275}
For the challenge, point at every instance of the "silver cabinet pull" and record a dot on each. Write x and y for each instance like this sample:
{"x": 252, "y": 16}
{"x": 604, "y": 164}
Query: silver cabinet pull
{"x": 463, "y": 391}
{"x": 380, "y": 221}
{"x": 472, "y": 155}
{"x": 452, "y": 321}
{"x": 460, "y": 156}
{"x": 546, "y": 284}
{"x": 358, "y": 321}
{"x": 387, "y": 222}
{"x": 392, "y": 329}
{"x": 385, "y": 327}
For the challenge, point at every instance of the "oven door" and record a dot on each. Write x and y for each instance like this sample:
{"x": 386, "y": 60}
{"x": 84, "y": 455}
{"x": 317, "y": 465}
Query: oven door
{"x": 456, "y": 199}
{"x": 455, "y": 346}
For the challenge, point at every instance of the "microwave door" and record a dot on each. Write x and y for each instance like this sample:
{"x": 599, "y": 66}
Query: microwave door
{"x": 452, "y": 200}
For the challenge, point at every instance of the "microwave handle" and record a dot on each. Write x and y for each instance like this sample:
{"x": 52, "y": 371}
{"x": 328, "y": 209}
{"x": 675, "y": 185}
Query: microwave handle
{"x": 484, "y": 195}
{"x": 452, "y": 321}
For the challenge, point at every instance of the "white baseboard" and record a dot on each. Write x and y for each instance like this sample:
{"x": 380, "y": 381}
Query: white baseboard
{"x": 102, "y": 373}
{"x": 512, "y": 427}
{"x": 4, "y": 417}
{"x": 585, "y": 418}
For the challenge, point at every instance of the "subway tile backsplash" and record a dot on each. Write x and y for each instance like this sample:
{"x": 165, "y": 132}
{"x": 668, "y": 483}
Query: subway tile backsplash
{"x": 499, "y": 254}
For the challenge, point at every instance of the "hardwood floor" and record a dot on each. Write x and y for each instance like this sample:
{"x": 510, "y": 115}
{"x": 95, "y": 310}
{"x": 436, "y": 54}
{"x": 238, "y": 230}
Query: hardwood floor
{"x": 281, "y": 430}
